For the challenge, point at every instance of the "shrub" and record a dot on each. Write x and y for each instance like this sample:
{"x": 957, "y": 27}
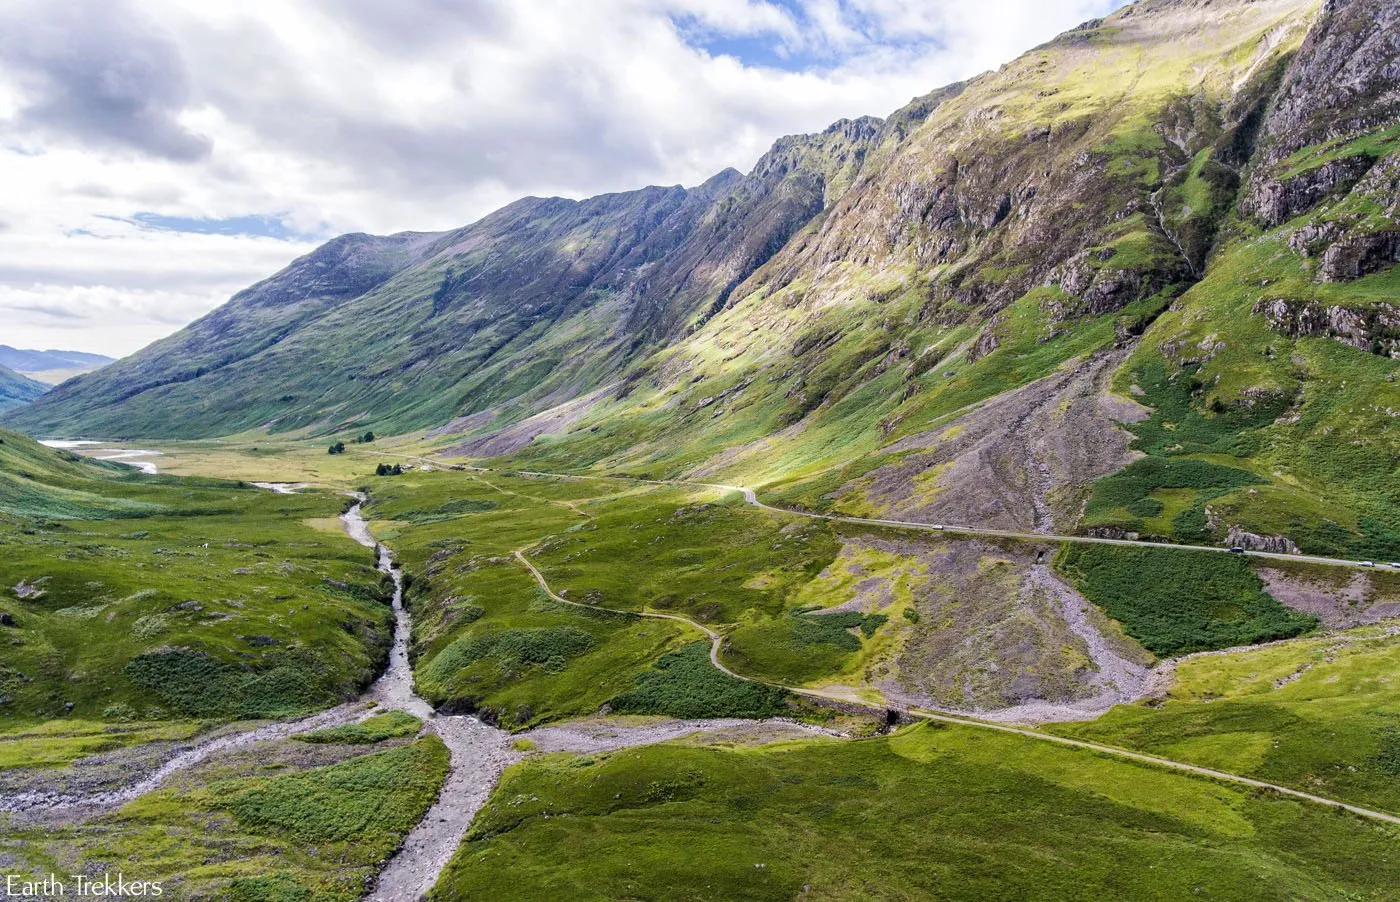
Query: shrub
{"x": 381, "y": 794}
{"x": 196, "y": 685}
{"x": 685, "y": 684}
{"x": 1130, "y": 489}
{"x": 1175, "y": 601}
{"x": 268, "y": 888}
{"x": 1388, "y": 759}
{"x": 835, "y": 629}
{"x": 548, "y": 647}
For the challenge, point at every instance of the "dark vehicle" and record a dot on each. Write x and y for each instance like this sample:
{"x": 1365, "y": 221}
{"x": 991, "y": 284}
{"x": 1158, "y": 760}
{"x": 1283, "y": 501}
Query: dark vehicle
{"x": 1235, "y": 549}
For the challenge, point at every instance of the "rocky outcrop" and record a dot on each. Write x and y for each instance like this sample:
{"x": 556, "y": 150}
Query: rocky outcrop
{"x": 1097, "y": 286}
{"x": 1275, "y": 201}
{"x": 1375, "y": 328}
{"x": 1238, "y": 538}
{"x": 1344, "y": 81}
{"x": 1360, "y": 255}
{"x": 1343, "y": 84}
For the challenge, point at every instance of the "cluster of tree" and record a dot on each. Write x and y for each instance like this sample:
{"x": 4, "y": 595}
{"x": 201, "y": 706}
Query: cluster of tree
{"x": 388, "y": 470}
{"x": 339, "y": 447}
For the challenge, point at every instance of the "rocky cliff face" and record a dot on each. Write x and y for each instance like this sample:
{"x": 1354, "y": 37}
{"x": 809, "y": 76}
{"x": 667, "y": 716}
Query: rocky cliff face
{"x": 1333, "y": 132}
{"x": 1375, "y": 328}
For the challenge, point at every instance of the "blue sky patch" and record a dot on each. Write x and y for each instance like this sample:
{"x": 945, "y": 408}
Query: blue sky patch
{"x": 256, "y": 225}
{"x": 767, "y": 49}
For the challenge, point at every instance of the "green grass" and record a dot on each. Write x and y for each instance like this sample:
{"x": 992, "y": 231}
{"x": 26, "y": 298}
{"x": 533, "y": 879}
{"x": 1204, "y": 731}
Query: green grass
{"x": 485, "y": 638}
{"x": 801, "y": 647}
{"x": 679, "y": 550}
{"x": 390, "y": 725}
{"x": 1141, "y": 492}
{"x": 357, "y": 802}
{"x": 930, "y": 812}
{"x": 17, "y": 390}
{"x": 1319, "y": 714}
{"x": 316, "y": 834}
{"x": 1310, "y": 417}
{"x": 1174, "y": 601}
{"x": 133, "y": 597}
{"x": 58, "y": 742}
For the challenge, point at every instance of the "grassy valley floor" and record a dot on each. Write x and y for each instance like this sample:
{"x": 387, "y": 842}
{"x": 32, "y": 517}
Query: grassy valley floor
{"x": 928, "y": 813}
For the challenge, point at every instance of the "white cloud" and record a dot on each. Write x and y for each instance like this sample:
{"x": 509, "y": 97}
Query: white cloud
{"x": 357, "y": 115}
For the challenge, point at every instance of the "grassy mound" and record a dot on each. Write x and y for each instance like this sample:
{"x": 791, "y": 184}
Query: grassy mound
{"x": 378, "y": 728}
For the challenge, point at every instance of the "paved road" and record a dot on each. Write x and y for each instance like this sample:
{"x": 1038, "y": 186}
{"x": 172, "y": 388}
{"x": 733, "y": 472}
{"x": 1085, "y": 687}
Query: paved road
{"x": 752, "y": 498}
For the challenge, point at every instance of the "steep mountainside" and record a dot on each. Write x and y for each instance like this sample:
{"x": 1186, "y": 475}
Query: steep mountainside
{"x": 17, "y": 390}
{"x": 1164, "y": 243}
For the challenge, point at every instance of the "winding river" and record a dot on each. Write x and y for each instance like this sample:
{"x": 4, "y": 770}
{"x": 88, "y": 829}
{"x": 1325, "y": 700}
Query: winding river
{"x": 479, "y": 752}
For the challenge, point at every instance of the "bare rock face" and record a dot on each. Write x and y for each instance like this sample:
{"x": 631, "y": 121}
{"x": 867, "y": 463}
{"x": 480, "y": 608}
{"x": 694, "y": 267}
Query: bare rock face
{"x": 1344, "y": 81}
{"x": 1343, "y": 84}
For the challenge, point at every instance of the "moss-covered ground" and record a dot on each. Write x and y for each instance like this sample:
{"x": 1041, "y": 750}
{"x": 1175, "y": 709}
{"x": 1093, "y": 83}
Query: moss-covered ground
{"x": 126, "y": 597}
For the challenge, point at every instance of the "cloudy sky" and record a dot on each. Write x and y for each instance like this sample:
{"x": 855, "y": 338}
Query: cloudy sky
{"x": 158, "y": 155}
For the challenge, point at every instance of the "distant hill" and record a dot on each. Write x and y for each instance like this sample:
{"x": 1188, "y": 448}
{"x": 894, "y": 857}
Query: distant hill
{"x": 17, "y": 390}
{"x": 51, "y": 367}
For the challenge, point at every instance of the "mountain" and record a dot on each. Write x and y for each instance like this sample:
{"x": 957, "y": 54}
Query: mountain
{"x": 17, "y": 390}
{"x": 51, "y": 367}
{"x": 543, "y": 299}
{"x": 1139, "y": 281}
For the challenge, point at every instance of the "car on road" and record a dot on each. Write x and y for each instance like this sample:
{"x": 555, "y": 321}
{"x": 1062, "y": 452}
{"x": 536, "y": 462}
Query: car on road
{"x": 1368, "y": 563}
{"x": 1395, "y": 564}
{"x": 1235, "y": 549}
